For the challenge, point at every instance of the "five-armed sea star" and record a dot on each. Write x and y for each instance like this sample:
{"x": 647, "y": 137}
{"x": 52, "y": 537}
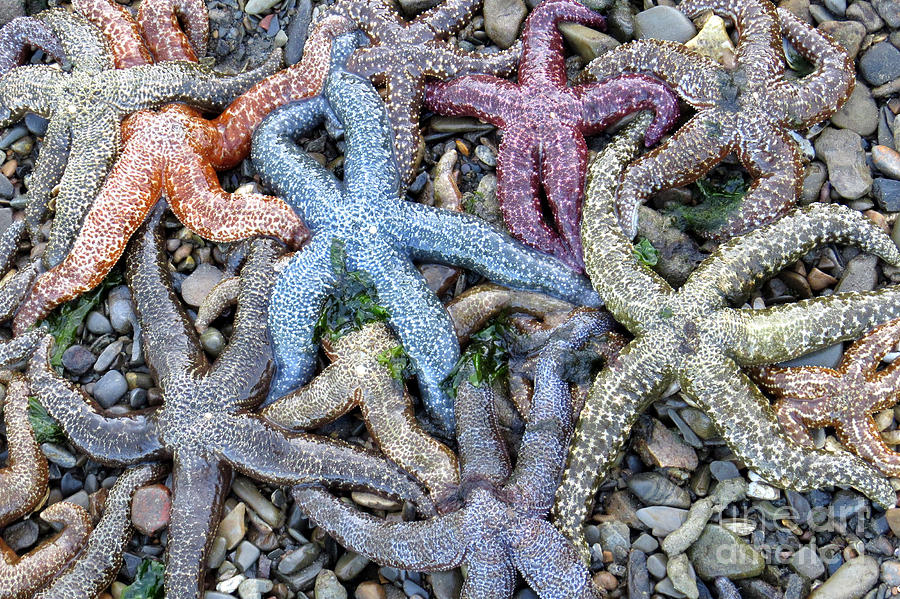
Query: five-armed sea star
{"x": 178, "y": 151}
{"x": 203, "y": 424}
{"x": 98, "y": 564}
{"x": 747, "y": 110}
{"x": 19, "y": 35}
{"x": 844, "y": 397}
{"x": 401, "y": 56}
{"x": 23, "y": 488}
{"x": 86, "y": 107}
{"x": 691, "y": 337}
{"x": 501, "y": 525}
{"x": 381, "y": 234}
{"x": 544, "y": 123}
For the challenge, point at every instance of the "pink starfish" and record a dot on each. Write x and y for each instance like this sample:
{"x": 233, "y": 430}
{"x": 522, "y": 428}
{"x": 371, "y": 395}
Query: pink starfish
{"x": 544, "y": 123}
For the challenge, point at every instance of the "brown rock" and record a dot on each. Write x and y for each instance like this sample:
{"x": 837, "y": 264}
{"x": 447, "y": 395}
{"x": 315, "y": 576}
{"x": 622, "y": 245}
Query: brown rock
{"x": 151, "y": 508}
{"x": 660, "y": 447}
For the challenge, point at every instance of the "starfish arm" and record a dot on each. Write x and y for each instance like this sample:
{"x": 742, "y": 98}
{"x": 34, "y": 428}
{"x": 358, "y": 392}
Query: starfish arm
{"x": 519, "y": 192}
{"x": 115, "y": 441}
{"x": 866, "y": 354}
{"x": 693, "y": 77}
{"x": 333, "y": 393}
{"x": 22, "y": 578}
{"x": 605, "y": 103}
{"x": 48, "y": 171}
{"x": 19, "y": 347}
{"x": 772, "y": 335}
{"x": 284, "y": 166}
{"x": 742, "y": 263}
{"x": 120, "y": 30}
{"x": 198, "y": 200}
{"x": 298, "y": 82}
{"x": 464, "y": 240}
{"x": 861, "y": 436}
{"x": 471, "y": 310}
{"x": 485, "y": 97}
{"x": 83, "y": 44}
{"x": 700, "y": 144}
{"x": 223, "y": 295}
{"x": 549, "y": 562}
{"x": 759, "y": 45}
{"x": 127, "y": 196}
{"x": 445, "y": 61}
{"x": 609, "y": 256}
{"x": 151, "y": 86}
{"x": 744, "y": 419}
{"x": 821, "y": 93}
{"x": 429, "y": 545}
{"x": 94, "y": 148}
{"x": 200, "y": 484}
{"x": 776, "y": 165}
{"x": 373, "y": 129}
{"x": 482, "y": 450}
{"x": 246, "y": 366}
{"x": 256, "y": 449}
{"x": 161, "y": 25}
{"x": 615, "y": 400}
{"x": 30, "y": 88}
{"x": 298, "y": 299}
{"x": 446, "y": 19}
{"x": 543, "y": 60}
{"x": 9, "y": 244}
{"x": 416, "y": 316}
{"x": 98, "y": 565}
{"x": 807, "y": 385}
{"x": 792, "y": 417}
{"x": 18, "y": 35}
{"x": 172, "y": 349}
{"x": 563, "y": 182}
{"x": 548, "y": 424}
{"x": 490, "y": 574}
{"x": 24, "y": 479}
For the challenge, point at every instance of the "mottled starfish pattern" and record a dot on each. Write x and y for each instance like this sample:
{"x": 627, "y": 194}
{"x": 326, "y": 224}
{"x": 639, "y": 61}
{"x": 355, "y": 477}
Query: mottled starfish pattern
{"x": 501, "y": 525}
{"x": 178, "y": 151}
{"x": 381, "y": 235}
{"x": 544, "y": 123}
{"x": 844, "y": 397}
{"x": 12, "y": 291}
{"x": 402, "y": 55}
{"x": 356, "y": 379}
{"x": 203, "y": 425}
{"x": 747, "y": 110}
{"x": 23, "y": 488}
{"x": 98, "y": 564}
{"x": 21, "y": 34}
{"x": 692, "y": 337}
{"x": 86, "y": 107}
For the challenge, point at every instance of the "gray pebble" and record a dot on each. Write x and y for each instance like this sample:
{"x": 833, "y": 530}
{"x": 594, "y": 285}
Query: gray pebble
{"x": 654, "y": 489}
{"x": 98, "y": 324}
{"x": 36, "y": 124}
{"x": 328, "y": 587}
{"x": 889, "y": 10}
{"x": 828, "y": 357}
{"x": 861, "y": 274}
{"x": 110, "y": 388}
{"x": 806, "y": 563}
{"x": 645, "y": 543}
{"x": 880, "y": 63}
{"x": 108, "y": 356}
{"x": 297, "y": 32}
{"x": 662, "y": 519}
{"x": 723, "y": 470}
{"x": 503, "y": 20}
{"x": 720, "y": 552}
{"x": 78, "y": 359}
{"x": 350, "y": 565}
{"x": 851, "y": 581}
{"x": 121, "y": 316}
{"x": 12, "y": 136}
{"x": 663, "y": 23}
{"x": 21, "y": 535}
{"x": 7, "y": 190}
{"x": 299, "y": 558}
{"x": 245, "y": 555}
{"x": 842, "y": 151}
{"x": 859, "y": 113}
{"x": 58, "y": 455}
{"x": 887, "y": 194}
{"x": 656, "y": 564}
{"x": 838, "y": 7}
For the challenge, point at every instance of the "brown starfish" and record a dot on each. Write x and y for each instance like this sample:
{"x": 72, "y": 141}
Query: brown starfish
{"x": 747, "y": 110}
{"x": 843, "y": 397}
{"x": 23, "y": 487}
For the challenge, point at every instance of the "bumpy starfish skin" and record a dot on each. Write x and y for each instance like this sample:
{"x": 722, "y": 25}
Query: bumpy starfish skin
{"x": 844, "y": 397}
{"x": 501, "y": 525}
{"x": 202, "y": 424}
{"x": 381, "y": 234}
{"x": 86, "y": 107}
{"x": 544, "y": 123}
{"x": 357, "y": 379}
{"x": 23, "y": 488}
{"x": 19, "y": 35}
{"x": 402, "y": 55}
{"x": 692, "y": 337}
{"x": 178, "y": 151}
{"x": 12, "y": 291}
{"x": 747, "y": 110}
{"x": 98, "y": 564}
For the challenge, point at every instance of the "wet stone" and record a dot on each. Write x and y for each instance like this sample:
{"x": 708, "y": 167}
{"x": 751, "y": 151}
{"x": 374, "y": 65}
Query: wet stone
{"x": 615, "y": 537}
{"x": 328, "y": 587}
{"x": 233, "y": 527}
{"x": 663, "y": 23}
{"x": 350, "y": 565}
{"x": 70, "y": 484}
{"x": 444, "y": 585}
{"x": 151, "y": 508}
{"x": 851, "y": 581}
{"x": 806, "y": 563}
{"x": 78, "y": 359}
{"x": 654, "y": 489}
{"x": 887, "y": 194}
{"x": 859, "y": 113}
{"x": 662, "y": 519}
{"x": 841, "y": 149}
{"x": 863, "y": 12}
{"x": 849, "y": 34}
{"x": 246, "y": 555}
{"x": 296, "y": 560}
{"x": 36, "y": 124}
{"x": 723, "y": 470}
{"x": 656, "y": 565}
{"x": 503, "y": 19}
{"x": 108, "y": 356}
{"x": 253, "y": 588}
{"x": 21, "y": 535}
{"x": 880, "y": 63}
{"x": 719, "y": 552}
{"x": 828, "y": 357}
{"x": 58, "y": 455}
{"x": 122, "y": 316}
{"x": 886, "y": 160}
{"x": 98, "y": 324}
{"x": 7, "y": 190}
{"x": 110, "y": 388}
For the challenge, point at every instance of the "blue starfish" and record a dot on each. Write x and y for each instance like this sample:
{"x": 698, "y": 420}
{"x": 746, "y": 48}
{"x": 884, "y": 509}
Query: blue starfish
{"x": 382, "y": 234}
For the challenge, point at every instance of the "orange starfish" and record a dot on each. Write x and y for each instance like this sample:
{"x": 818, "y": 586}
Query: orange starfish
{"x": 843, "y": 398}
{"x": 178, "y": 151}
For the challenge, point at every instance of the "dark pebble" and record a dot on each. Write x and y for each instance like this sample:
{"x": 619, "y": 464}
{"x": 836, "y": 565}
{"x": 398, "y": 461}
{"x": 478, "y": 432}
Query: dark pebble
{"x": 887, "y": 194}
{"x": 21, "y": 535}
{"x": 70, "y": 484}
{"x": 880, "y": 525}
{"x": 819, "y": 498}
{"x": 12, "y": 136}
{"x": 7, "y": 189}
{"x": 78, "y": 359}
{"x": 880, "y": 63}
{"x": 638, "y": 576}
{"x": 274, "y": 27}
{"x": 36, "y": 124}
{"x": 726, "y": 589}
{"x": 411, "y": 588}
{"x": 848, "y": 504}
{"x": 723, "y": 470}
{"x": 297, "y": 32}
{"x": 137, "y": 398}
{"x": 799, "y": 504}
{"x": 130, "y": 565}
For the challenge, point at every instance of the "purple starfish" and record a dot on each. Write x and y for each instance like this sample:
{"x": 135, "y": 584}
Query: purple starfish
{"x": 544, "y": 124}
{"x": 19, "y": 35}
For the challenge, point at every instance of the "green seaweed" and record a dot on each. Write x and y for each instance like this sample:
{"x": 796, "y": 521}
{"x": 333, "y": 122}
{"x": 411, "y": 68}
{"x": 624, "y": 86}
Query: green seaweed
{"x": 45, "y": 428}
{"x": 485, "y": 360}
{"x": 148, "y": 582}
{"x": 396, "y": 360}
{"x": 645, "y": 253}
{"x": 719, "y": 200}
